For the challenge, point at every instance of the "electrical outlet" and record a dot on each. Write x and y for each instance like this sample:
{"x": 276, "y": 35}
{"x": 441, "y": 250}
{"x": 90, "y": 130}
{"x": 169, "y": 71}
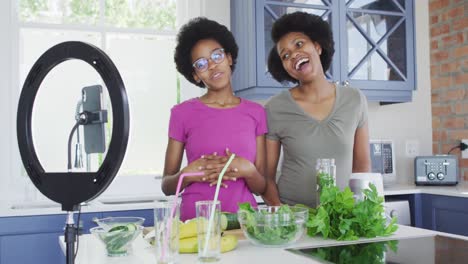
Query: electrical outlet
{"x": 465, "y": 152}
{"x": 412, "y": 148}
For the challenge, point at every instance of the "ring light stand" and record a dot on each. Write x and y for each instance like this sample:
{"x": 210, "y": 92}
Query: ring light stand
{"x": 70, "y": 189}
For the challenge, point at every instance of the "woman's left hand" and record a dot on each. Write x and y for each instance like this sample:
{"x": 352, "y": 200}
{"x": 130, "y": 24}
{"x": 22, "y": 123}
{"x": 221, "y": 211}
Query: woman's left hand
{"x": 239, "y": 167}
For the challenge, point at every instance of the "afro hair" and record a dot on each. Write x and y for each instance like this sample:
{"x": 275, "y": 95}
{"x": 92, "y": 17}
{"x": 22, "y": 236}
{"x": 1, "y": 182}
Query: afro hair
{"x": 197, "y": 29}
{"x": 312, "y": 26}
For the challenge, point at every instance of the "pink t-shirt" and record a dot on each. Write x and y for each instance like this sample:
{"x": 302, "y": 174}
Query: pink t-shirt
{"x": 205, "y": 130}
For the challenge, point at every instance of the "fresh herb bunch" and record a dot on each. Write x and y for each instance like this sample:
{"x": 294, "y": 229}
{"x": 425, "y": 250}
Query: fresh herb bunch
{"x": 260, "y": 226}
{"x": 325, "y": 180}
{"x": 340, "y": 217}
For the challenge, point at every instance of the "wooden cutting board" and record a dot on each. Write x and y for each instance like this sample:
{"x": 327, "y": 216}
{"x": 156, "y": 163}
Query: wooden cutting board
{"x": 236, "y": 232}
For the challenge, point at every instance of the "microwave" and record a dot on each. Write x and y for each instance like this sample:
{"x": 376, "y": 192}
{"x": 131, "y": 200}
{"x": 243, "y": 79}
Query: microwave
{"x": 382, "y": 156}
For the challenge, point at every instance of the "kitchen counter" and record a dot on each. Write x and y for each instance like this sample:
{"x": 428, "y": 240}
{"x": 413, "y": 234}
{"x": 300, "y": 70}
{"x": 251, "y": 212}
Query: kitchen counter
{"x": 92, "y": 250}
{"x": 460, "y": 190}
{"x": 124, "y": 203}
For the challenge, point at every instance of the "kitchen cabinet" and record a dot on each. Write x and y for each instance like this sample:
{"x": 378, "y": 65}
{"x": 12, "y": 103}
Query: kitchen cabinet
{"x": 437, "y": 212}
{"x": 374, "y": 45}
{"x": 31, "y": 248}
{"x": 445, "y": 214}
{"x": 34, "y": 239}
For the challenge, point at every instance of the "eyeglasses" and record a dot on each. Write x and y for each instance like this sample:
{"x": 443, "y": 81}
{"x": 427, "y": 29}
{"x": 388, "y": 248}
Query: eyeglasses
{"x": 217, "y": 56}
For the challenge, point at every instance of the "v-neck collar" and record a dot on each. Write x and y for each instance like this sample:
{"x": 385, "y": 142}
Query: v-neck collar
{"x": 302, "y": 111}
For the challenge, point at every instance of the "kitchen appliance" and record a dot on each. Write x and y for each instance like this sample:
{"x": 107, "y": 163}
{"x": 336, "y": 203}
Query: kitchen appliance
{"x": 399, "y": 209}
{"x": 382, "y": 156}
{"x": 420, "y": 250}
{"x": 360, "y": 181}
{"x": 436, "y": 170}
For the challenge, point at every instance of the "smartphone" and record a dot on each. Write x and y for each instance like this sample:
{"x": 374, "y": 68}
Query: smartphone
{"x": 94, "y": 132}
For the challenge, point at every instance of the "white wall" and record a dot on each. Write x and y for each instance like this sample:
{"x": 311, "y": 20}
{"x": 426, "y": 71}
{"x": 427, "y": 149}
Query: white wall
{"x": 409, "y": 121}
{"x": 5, "y": 96}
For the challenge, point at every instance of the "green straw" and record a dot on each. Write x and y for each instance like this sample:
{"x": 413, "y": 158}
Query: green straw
{"x": 213, "y": 207}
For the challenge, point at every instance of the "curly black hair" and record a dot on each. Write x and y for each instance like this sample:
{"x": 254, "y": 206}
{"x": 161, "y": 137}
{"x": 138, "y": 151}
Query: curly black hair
{"x": 311, "y": 25}
{"x": 197, "y": 29}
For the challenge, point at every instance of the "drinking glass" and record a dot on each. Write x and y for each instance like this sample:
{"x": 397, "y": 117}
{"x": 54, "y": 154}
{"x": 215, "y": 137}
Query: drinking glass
{"x": 208, "y": 230}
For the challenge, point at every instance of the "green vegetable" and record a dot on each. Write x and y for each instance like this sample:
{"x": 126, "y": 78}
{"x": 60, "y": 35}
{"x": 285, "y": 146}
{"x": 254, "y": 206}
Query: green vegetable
{"x": 232, "y": 222}
{"x": 117, "y": 237}
{"x": 275, "y": 228}
{"x": 340, "y": 217}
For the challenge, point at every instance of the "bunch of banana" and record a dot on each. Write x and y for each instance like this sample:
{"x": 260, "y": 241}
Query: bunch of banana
{"x": 188, "y": 242}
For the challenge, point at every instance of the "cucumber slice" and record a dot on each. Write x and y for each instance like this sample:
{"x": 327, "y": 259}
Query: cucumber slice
{"x": 131, "y": 227}
{"x": 119, "y": 228}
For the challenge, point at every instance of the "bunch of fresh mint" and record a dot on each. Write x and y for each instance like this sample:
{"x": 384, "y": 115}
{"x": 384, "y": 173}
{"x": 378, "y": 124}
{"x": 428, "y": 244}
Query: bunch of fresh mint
{"x": 340, "y": 217}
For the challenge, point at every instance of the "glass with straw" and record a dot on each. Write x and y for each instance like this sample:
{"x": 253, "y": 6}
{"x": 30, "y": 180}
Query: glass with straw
{"x": 166, "y": 226}
{"x": 166, "y": 223}
{"x": 208, "y": 225}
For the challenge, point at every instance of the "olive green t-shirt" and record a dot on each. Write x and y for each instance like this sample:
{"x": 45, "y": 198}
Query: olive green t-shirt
{"x": 305, "y": 139}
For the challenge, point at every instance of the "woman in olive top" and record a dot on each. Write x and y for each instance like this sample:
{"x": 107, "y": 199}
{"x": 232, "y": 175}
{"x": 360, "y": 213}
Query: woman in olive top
{"x": 316, "y": 118}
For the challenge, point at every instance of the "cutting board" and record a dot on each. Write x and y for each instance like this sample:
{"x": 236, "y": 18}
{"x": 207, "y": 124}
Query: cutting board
{"x": 236, "y": 232}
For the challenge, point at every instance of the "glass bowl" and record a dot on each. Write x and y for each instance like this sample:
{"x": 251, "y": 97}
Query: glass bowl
{"x": 117, "y": 239}
{"x": 109, "y": 222}
{"x": 273, "y": 226}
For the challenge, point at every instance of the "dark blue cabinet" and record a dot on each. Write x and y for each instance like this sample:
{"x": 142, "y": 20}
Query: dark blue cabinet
{"x": 437, "y": 212}
{"x": 374, "y": 43}
{"x": 445, "y": 214}
{"x": 34, "y": 239}
{"x": 31, "y": 248}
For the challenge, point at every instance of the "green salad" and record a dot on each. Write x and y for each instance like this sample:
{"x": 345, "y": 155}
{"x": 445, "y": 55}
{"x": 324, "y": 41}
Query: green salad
{"x": 267, "y": 227}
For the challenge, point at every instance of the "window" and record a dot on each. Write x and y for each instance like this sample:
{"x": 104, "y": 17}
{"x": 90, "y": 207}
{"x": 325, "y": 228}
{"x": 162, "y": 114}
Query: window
{"x": 139, "y": 37}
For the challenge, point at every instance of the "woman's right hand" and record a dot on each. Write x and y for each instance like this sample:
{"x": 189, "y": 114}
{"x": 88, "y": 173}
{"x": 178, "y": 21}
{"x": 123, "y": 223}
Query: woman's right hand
{"x": 206, "y": 164}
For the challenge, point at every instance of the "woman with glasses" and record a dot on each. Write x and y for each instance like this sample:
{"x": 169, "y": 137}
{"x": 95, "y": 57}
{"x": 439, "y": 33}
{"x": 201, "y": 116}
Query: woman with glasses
{"x": 314, "y": 119}
{"x": 211, "y": 127}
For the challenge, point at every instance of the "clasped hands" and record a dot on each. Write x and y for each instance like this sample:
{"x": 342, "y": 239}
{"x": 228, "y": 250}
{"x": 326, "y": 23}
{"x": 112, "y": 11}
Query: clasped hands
{"x": 212, "y": 165}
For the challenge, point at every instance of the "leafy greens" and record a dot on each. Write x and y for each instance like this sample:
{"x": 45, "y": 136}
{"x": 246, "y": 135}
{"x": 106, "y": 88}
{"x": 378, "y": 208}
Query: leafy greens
{"x": 340, "y": 217}
{"x": 269, "y": 228}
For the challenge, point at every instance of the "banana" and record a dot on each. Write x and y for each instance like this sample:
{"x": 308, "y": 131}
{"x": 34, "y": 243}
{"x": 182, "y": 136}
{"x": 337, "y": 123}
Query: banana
{"x": 228, "y": 243}
{"x": 188, "y": 229}
{"x": 190, "y": 245}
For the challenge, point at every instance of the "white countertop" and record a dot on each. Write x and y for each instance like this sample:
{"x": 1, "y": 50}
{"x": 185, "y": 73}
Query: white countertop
{"x": 460, "y": 190}
{"x": 92, "y": 251}
{"x": 104, "y": 204}
{"x": 125, "y": 203}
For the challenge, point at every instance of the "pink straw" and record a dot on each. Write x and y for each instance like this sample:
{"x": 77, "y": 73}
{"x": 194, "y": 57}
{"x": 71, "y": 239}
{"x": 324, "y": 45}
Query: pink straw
{"x": 174, "y": 204}
{"x": 179, "y": 184}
